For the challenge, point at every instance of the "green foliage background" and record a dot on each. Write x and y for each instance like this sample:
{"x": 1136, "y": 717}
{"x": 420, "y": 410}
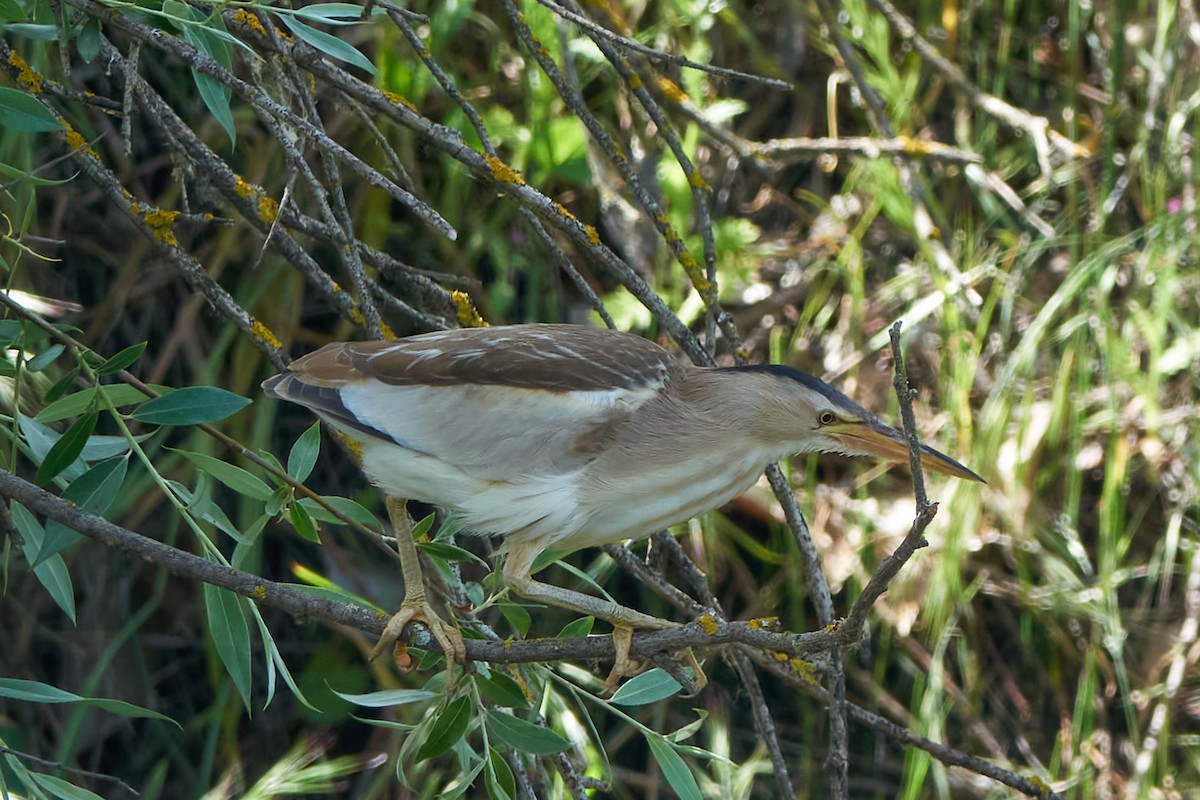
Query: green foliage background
{"x": 1013, "y": 180}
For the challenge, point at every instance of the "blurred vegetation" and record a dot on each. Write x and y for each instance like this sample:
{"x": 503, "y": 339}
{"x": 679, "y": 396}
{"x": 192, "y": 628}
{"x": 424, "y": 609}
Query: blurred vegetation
{"x": 1013, "y": 180}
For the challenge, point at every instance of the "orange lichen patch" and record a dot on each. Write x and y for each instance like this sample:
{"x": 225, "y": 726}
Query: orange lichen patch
{"x": 703, "y": 285}
{"x": 708, "y": 624}
{"x": 672, "y": 90}
{"x": 242, "y": 187}
{"x": 806, "y": 670}
{"x": 161, "y": 223}
{"x": 523, "y": 684}
{"x": 593, "y": 235}
{"x": 697, "y": 181}
{"x": 764, "y": 623}
{"x": 468, "y": 316}
{"x": 1041, "y": 785}
{"x": 560, "y": 208}
{"x": 398, "y": 99}
{"x": 833, "y": 626}
{"x": 75, "y": 139}
{"x": 502, "y": 172}
{"x": 262, "y": 332}
{"x": 25, "y": 74}
{"x": 268, "y": 209}
{"x": 251, "y": 21}
{"x": 386, "y": 330}
{"x": 635, "y": 81}
{"x": 260, "y": 592}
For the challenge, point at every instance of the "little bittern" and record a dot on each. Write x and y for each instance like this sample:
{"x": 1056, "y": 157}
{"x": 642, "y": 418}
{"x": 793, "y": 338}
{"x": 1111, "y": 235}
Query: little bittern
{"x": 563, "y": 436}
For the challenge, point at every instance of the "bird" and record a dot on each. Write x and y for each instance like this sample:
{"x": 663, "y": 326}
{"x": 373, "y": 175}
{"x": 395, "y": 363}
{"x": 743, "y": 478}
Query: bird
{"x": 562, "y": 437}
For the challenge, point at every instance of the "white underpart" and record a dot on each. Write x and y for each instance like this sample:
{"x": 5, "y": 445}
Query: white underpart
{"x": 469, "y": 448}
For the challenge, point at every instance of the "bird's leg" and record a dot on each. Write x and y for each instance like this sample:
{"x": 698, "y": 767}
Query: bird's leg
{"x": 517, "y": 565}
{"x": 416, "y": 607}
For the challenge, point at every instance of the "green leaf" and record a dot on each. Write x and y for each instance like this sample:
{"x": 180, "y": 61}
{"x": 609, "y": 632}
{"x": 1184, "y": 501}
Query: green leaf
{"x": 119, "y": 394}
{"x": 577, "y": 628}
{"x": 447, "y": 730}
{"x": 38, "y": 32}
{"x": 328, "y": 44}
{"x": 449, "y": 552}
{"x": 35, "y": 692}
{"x": 38, "y": 692}
{"x": 88, "y": 41}
{"x": 517, "y": 616}
{"x": 335, "y": 13}
{"x": 498, "y": 778}
{"x": 208, "y": 34}
{"x": 45, "y": 358}
{"x": 303, "y": 523}
{"x": 231, "y": 636}
{"x": 303, "y": 456}
{"x": 422, "y": 528}
{"x": 60, "y": 386}
{"x": 674, "y": 769}
{"x": 524, "y": 736}
{"x": 689, "y": 730}
{"x": 52, "y": 573}
{"x": 500, "y": 689}
{"x": 66, "y": 449}
{"x": 20, "y": 112}
{"x": 649, "y": 687}
{"x": 61, "y": 788}
{"x": 344, "y": 506}
{"x": 122, "y": 359}
{"x": 235, "y": 478}
{"x": 191, "y": 405}
{"x": 389, "y": 698}
{"x": 93, "y": 492}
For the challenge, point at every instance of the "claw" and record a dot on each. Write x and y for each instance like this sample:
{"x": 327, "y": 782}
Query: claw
{"x": 623, "y": 665}
{"x": 419, "y": 610}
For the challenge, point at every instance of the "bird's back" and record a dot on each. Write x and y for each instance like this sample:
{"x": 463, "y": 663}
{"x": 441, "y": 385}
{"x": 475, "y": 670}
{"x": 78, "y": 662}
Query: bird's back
{"x": 497, "y": 423}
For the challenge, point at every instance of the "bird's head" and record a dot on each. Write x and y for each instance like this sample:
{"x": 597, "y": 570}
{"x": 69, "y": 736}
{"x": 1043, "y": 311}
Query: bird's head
{"x": 808, "y": 415}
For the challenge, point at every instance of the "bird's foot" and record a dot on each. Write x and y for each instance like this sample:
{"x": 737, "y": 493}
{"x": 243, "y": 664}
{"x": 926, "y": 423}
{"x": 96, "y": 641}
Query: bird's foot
{"x": 418, "y": 609}
{"x": 623, "y": 666}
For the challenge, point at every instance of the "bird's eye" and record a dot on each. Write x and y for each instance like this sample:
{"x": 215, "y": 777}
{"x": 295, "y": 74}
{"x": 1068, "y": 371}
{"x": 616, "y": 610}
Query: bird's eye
{"x": 827, "y": 418}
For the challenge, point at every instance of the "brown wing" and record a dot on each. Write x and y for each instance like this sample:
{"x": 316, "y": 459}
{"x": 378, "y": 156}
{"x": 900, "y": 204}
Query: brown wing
{"x": 557, "y": 358}
{"x": 471, "y": 397}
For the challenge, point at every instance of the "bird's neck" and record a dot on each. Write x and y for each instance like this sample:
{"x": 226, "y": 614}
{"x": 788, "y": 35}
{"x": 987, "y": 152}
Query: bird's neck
{"x": 737, "y": 404}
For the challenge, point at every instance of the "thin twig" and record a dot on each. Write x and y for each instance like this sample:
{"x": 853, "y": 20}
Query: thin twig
{"x": 55, "y": 765}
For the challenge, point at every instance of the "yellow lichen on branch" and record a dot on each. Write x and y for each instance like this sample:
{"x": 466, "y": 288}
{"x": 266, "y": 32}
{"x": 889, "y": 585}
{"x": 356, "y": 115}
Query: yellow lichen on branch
{"x": 468, "y": 316}
{"x": 502, "y": 172}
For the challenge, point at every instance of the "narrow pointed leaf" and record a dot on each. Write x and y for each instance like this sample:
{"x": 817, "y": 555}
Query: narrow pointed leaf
{"x": 93, "y": 492}
{"x": 191, "y": 405}
{"x": 234, "y": 477}
{"x": 231, "y": 636}
{"x": 524, "y": 736}
{"x": 327, "y": 43}
{"x": 303, "y": 456}
{"x": 121, "y": 360}
{"x": 675, "y": 770}
{"x": 447, "y": 729}
{"x": 51, "y": 573}
{"x": 649, "y": 687}
{"x": 303, "y": 523}
{"x": 66, "y": 449}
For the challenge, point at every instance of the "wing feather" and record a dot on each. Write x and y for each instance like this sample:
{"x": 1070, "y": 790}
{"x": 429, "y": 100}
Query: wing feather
{"x": 472, "y": 397}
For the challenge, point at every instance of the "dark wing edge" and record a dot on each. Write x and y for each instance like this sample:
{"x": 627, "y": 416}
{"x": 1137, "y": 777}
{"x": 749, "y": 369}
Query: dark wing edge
{"x": 324, "y": 401}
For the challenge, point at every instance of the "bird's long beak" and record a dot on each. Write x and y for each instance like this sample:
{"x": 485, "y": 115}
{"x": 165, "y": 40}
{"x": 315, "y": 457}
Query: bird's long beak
{"x": 884, "y": 441}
